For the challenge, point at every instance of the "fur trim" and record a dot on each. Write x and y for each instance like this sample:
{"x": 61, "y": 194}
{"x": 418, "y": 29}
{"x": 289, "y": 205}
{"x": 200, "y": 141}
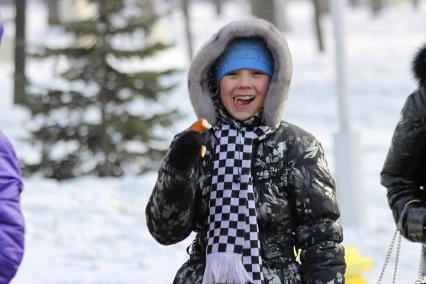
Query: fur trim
{"x": 419, "y": 66}
{"x": 198, "y": 76}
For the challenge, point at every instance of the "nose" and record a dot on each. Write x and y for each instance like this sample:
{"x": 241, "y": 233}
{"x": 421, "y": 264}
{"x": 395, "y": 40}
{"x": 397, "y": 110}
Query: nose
{"x": 245, "y": 80}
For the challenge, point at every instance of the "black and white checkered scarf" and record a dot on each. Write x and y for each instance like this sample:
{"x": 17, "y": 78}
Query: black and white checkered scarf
{"x": 233, "y": 247}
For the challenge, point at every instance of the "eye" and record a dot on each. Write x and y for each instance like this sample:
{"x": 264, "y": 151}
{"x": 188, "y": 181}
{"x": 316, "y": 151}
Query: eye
{"x": 257, "y": 73}
{"x": 231, "y": 75}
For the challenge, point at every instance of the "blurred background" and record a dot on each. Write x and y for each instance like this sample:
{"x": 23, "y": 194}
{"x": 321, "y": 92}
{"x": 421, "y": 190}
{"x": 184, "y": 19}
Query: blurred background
{"x": 92, "y": 92}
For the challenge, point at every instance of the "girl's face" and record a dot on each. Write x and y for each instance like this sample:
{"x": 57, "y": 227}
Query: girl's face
{"x": 243, "y": 92}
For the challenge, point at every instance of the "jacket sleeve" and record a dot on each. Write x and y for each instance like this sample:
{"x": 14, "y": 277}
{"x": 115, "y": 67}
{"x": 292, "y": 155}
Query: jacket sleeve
{"x": 169, "y": 212}
{"x": 11, "y": 218}
{"x": 318, "y": 233}
{"x": 403, "y": 170}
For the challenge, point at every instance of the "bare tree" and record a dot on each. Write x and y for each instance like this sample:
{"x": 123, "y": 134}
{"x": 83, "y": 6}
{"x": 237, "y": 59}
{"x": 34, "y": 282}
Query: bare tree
{"x": 53, "y": 11}
{"x": 274, "y": 11}
{"x": 324, "y": 7}
{"x": 20, "y": 80}
{"x": 185, "y": 10}
{"x": 317, "y": 23}
{"x": 148, "y": 7}
{"x": 218, "y": 5}
{"x": 415, "y": 3}
{"x": 281, "y": 17}
{"x": 355, "y": 3}
{"x": 376, "y": 6}
{"x": 264, "y": 9}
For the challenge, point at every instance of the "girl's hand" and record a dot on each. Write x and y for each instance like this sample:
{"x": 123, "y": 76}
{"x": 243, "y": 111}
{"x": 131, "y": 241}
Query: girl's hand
{"x": 188, "y": 146}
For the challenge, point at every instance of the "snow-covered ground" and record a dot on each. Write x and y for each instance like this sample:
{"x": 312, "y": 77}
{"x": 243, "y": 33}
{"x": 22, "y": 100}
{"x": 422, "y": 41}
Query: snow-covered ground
{"x": 92, "y": 230}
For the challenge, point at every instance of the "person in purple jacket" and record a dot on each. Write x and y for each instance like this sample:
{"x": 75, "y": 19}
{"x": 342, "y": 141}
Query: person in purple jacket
{"x": 11, "y": 219}
{"x": 1, "y": 30}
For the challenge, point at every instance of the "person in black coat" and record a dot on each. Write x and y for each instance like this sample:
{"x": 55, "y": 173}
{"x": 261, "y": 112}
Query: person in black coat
{"x": 404, "y": 171}
{"x": 263, "y": 189}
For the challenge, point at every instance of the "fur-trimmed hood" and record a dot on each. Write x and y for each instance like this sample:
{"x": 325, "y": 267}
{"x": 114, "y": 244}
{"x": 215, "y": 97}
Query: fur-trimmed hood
{"x": 419, "y": 66}
{"x": 199, "y": 76}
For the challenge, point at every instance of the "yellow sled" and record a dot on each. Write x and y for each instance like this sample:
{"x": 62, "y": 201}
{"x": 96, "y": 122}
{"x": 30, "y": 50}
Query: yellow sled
{"x": 356, "y": 264}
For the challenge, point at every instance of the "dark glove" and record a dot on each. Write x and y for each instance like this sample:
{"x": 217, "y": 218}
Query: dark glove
{"x": 412, "y": 223}
{"x": 185, "y": 150}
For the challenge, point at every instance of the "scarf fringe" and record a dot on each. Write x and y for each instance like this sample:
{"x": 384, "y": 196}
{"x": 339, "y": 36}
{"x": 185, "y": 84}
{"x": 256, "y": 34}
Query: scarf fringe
{"x": 225, "y": 268}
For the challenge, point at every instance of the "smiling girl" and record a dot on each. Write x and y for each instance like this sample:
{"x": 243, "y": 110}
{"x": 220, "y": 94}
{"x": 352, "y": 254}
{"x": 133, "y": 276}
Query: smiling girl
{"x": 263, "y": 188}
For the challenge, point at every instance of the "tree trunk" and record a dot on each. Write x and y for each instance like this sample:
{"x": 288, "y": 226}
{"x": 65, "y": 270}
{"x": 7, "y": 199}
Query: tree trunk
{"x": 20, "y": 80}
{"x": 148, "y": 7}
{"x": 264, "y": 9}
{"x": 106, "y": 169}
{"x": 415, "y": 4}
{"x": 185, "y": 10}
{"x": 355, "y": 3}
{"x": 376, "y": 6}
{"x": 53, "y": 10}
{"x": 323, "y": 7}
{"x": 281, "y": 17}
{"x": 218, "y": 5}
{"x": 318, "y": 27}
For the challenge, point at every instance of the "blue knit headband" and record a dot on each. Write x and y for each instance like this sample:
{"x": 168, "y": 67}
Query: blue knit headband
{"x": 244, "y": 53}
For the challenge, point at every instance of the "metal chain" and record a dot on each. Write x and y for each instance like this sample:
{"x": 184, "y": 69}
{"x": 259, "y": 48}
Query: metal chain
{"x": 388, "y": 255}
{"x": 398, "y": 249}
{"x": 420, "y": 278}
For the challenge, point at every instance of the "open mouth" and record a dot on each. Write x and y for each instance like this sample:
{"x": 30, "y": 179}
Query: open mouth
{"x": 243, "y": 100}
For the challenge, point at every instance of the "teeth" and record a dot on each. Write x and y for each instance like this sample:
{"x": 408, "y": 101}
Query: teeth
{"x": 243, "y": 98}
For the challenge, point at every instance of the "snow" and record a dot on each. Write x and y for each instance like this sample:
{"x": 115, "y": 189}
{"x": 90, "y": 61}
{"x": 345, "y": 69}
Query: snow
{"x": 91, "y": 230}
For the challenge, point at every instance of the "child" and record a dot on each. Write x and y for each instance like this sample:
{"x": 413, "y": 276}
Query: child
{"x": 404, "y": 171}
{"x": 11, "y": 219}
{"x": 263, "y": 188}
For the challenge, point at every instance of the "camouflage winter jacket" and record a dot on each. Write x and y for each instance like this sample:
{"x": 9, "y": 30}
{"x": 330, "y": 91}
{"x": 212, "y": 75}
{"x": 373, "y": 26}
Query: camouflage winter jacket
{"x": 296, "y": 209}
